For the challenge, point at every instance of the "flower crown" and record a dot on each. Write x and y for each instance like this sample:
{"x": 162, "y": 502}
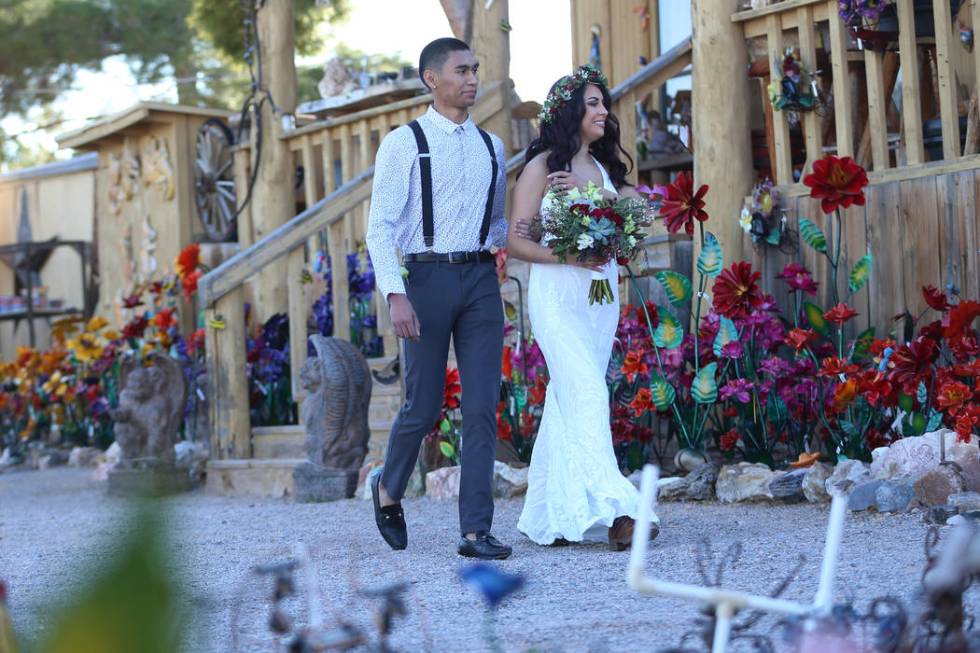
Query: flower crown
{"x": 566, "y": 86}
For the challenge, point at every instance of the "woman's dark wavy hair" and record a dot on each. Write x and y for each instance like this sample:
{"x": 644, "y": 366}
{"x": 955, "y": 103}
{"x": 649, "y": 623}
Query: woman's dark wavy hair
{"x": 560, "y": 138}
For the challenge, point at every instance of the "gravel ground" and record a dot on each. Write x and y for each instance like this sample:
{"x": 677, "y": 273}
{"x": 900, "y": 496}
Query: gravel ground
{"x": 56, "y": 525}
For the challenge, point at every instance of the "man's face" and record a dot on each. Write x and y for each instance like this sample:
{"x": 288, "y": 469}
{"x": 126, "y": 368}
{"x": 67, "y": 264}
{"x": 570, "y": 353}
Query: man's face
{"x": 456, "y": 82}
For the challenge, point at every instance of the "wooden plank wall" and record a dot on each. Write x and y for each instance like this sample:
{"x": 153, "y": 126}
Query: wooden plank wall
{"x": 624, "y": 36}
{"x": 923, "y": 231}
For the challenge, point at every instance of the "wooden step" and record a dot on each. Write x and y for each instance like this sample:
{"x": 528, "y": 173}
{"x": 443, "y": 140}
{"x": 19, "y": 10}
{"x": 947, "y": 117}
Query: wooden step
{"x": 286, "y": 442}
{"x": 252, "y": 477}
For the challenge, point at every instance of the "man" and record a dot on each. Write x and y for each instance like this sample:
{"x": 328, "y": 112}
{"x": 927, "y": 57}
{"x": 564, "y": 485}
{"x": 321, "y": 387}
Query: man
{"x": 438, "y": 198}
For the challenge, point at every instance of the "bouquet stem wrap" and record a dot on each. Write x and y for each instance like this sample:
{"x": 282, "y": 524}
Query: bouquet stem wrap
{"x": 600, "y": 292}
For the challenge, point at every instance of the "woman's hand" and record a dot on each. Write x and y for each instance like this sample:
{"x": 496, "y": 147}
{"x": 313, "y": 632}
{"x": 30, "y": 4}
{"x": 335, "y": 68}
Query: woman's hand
{"x": 565, "y": 180}
{"x": 528, "y": 228}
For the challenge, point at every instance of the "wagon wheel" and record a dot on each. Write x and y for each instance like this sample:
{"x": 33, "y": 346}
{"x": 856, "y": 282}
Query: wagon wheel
{"x": 214, "y": 185}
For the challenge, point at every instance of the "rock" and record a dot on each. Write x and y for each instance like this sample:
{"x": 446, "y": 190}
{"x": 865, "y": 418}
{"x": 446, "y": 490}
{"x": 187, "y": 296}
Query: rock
{"x": 845, "y": 476}
{"x": 101, "y": 471}
{"x": 8, "y": 459}
{"x": 366, "y": 472}
{"x": 914, "y": 456}
{"x": 957, "y": 520}
{"x": 702, "y": 481}
{"x": 414, "y": 489}
{"x": 85, "y": 457}
{"x": 53, "y": 458}
{"x": 940, "y": 514}
{"x": 114, "y": 453}
{"x": 934, "y": 487}
{"x": 864, "y": 495}
{"x": 965, "y": 501}
{"x": 509, "y": 482}
{"x": 416, "y": 484}
{"x": 317, "y": 484}
{"x": 672, "y": 488}
{"x": 192, "y": 456}
{"x": 815, "y": 482}
{"x": 894, "y": 496}
{"x": 442, "y": 483}
{"x": 788, "y": 487}
{"x": 744, "y": 482}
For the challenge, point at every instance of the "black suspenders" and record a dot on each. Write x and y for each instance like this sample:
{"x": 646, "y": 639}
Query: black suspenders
{"x": 425, "y": 172}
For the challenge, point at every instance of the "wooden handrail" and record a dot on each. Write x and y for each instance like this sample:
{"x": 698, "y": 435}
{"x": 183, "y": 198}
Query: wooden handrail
{"x": 233, "y": 272}
{"x": 781, "y": 7}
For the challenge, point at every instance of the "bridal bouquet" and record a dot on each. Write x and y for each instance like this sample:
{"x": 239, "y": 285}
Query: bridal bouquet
{"x": 584, "y": 225}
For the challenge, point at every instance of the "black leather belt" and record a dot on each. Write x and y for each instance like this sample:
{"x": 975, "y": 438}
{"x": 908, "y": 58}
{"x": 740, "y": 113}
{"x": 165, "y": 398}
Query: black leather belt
{"x": 483, "y": 256}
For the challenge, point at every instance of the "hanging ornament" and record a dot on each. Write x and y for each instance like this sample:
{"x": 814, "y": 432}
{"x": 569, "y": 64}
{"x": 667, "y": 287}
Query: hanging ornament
{"x": 595, "y": 59}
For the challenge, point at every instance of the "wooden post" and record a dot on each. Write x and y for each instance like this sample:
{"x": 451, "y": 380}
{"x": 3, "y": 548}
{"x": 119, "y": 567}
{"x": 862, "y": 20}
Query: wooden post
{"x": 783, "y": 163}
{"x": 948, "y": 96}
{"x": 491, "y": 46}
{"x": 231, "y": 433}
{"x": 842, "y": 84}
{"x": 722, "y": 152}
{"x": 299, "y": 312}
{"x": 272, "y": 197}
{"x": 811, "y": 121}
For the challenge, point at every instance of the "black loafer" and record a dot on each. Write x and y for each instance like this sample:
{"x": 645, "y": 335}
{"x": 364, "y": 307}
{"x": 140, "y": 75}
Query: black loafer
{"x": 390, "y": 519}
{"x": 484, "y": 547}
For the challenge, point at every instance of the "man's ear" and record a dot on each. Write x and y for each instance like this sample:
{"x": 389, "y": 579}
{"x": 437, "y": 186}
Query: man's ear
{"x": 430, "y": 78}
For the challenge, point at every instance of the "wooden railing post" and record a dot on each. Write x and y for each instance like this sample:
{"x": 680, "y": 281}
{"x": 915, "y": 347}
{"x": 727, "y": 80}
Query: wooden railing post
{"x": 948, "y": 95}
{"x": 812, "y": 129}
{"x": 911, "y": 107}
{"x": 299, "y": 313}
{"x": 231, "y": 431}
{"x": 783, "y": 165}
{"x": 842, "y": 84}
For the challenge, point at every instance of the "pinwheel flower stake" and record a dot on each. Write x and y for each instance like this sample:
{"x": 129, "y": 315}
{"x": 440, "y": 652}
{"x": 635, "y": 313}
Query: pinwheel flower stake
{"x": 493, "y": 586}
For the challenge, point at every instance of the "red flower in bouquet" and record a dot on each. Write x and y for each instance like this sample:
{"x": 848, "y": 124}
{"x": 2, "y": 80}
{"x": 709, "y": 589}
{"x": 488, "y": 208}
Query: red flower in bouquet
{"x": 634, "y": 365}
{"x": 728, "y": 440}
{"x": 953, "y": 394}
{"x": 642, "y": 402}
{"x": 452, "y": 390}
{"x": 798, "y": 277}
{"x": 683, "y": 205}
{"x": 935, "y": 298}
{"x": 798, "y": 339}
{"x": 913, "y": 362}
{"x": 961, "y": 317}
{"x": 736, "y": 292}
{"x": 840, "y": 314}
{"x": 188, "y": 260}
{"x": 838, "y": 182}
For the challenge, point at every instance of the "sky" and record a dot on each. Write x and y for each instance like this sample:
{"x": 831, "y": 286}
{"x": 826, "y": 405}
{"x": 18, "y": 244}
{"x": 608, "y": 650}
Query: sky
{"x": 406, "y": 28}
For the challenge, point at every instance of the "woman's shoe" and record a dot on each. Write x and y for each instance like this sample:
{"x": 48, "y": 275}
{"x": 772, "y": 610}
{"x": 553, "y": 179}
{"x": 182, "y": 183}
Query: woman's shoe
{"x": 559, "y": 541}
{"x": 621, "y": 533}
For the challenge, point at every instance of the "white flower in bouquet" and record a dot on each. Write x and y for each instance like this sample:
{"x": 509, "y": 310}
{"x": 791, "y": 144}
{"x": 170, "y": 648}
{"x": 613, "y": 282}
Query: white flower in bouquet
{"x": 585, "y": 241}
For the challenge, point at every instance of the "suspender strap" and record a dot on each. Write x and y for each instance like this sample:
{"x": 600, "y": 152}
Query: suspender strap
{"x": 425, "y": 170}
{"x": 487, "y": 212}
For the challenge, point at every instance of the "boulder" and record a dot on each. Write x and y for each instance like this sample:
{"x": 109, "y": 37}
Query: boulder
{"x": 788, "y": 487}
{"x": 672, "y": 488}
{"x": 53, "y": 458}
{"x": 815, "y": 482}
{"x": 940, "y": 514}
{"x": 509, "y": 482}
{"x": 367, "y": 471}
{"x": 85, "y": 457}
{"x": 442, "y": 483}
{"x": 934, "y": 487}
{"x": 8, "y": 459}
{"x": 317, "y": 484}
{"x": 744, "y": 482}
{"x": 965, "y": 501}
{"x": 114, "y": 453}
{"x": 191, "y": 456}
{"x": 894, "y": 495}
{"x": 701, "y": 482}
{"x": 914, "y": 456}
{"x": 101, "y": 471}
{"x": 846, "y": 475}
{"x": 864, "y": 495}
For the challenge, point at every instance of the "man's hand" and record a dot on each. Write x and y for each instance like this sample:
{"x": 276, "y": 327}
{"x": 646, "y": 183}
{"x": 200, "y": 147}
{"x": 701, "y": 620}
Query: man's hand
{"x": 403, "y": 317}
{"x": 529, "y": 228}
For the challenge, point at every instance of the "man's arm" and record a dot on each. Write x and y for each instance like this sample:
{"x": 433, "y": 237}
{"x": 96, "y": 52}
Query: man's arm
{"x": 392, "y": 169}
{"x": 498, "y": 221}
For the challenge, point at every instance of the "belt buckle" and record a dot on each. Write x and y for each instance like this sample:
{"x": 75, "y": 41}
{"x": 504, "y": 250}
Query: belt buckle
{"x": 454, "y": 259}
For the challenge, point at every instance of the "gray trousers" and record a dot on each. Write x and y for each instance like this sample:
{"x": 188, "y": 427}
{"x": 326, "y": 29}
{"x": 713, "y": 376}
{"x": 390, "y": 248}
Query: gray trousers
{"x": 461, "y": 300}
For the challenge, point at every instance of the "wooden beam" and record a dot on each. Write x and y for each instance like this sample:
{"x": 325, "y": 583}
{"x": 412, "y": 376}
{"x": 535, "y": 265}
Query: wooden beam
{"x": 812, "y": 131}
{"x": 366, "y": 114}
{"x": 842, "y": 87}
{"x": 948, "y": 97}
{"x": 877, "y": 128}
{"x": 911, "y": 105}
{"x": 783, "y": 163}
{"x": 228, "y": 409}
{"x": 777, "y": 8}
{"x": 491, "y": 46}
{"x": 242, "y": 176}
{"x": 299, "y": 314}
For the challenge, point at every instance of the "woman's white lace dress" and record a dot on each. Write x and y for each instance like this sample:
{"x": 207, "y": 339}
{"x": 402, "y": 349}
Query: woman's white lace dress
{"x": 575, "y": 487}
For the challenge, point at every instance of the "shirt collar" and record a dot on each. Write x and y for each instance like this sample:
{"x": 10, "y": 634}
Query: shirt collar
{"x": 444, "y": 123}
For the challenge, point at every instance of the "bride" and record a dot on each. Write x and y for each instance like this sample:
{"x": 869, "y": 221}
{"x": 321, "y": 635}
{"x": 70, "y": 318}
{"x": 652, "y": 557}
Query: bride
{"x": 576, "y": 491}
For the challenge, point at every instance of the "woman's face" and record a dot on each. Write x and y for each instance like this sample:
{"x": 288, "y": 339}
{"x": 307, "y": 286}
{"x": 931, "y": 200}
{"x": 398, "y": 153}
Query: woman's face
{"x": 593, "y": 125}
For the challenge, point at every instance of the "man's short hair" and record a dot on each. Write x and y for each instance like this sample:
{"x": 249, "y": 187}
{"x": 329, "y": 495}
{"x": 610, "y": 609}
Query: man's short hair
{"x": 434, "y": 55}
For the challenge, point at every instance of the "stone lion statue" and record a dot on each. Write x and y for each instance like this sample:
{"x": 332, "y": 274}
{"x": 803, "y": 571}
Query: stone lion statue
{"x": 335, "y": 411}
{"x": 151, "y": 405}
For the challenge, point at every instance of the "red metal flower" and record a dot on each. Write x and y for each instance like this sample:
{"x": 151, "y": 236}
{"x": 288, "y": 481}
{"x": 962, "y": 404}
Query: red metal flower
{"x": 507, "y": 365}
{"x": 165, "y": 319}
{"x": 188, "y": 259}
{"x": 961, "y": 318}
{"x": 683, "y": 206}
{"x": 839, "y": 314}
{"x": 845, "y": 393}
{"x": 913, "y": 362}
{"x": 736, "y": 292}
{"x": 728, "y": 440}
{"x": 189, "y": 283}
{"x": 633, "y": 365}
{"x": 935, "y": 298}
{"x": 838, "y": 182}
{"x": 800, "y": 338}
{"x": 953, "y": 394}
{"x": 135, "y": 328}
{"x": 798, "y": 277}
{"x": 965, "y": 422}
{"x": 642, "y": 402}
{"x": 452, "y": 390}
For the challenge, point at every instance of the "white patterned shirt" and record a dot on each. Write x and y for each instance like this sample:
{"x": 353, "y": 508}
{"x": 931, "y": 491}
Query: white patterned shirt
{"x": 461, "y": 172}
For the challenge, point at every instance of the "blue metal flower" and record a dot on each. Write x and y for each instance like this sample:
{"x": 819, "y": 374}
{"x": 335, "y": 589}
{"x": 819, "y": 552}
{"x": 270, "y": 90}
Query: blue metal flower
{"x": 491, "y": 583}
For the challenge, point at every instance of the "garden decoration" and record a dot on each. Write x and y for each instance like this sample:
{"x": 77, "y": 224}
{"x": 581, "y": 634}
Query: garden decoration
{"x": 493, "y": 586}
{"x": 764, "y": 220}
{"x": 726, "y": 602}
{"x": 795, "y": 91}
{"x": 335, "y": 413}
{"x": 872, "y": 22}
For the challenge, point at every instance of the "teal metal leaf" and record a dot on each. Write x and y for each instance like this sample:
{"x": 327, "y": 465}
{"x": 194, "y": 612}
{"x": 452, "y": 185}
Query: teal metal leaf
{"x": 447, "y": 450}
{"x": 815, "y": 317}
{"x": 727, "y": 332}
{"x": 849, "y": 428}
{"x": 921, "y": 393}
{"x": 859, "y": 273}
{"x": 935, "y": 419}
{"x": 661, "y": 392}
{"x": 812, "y": 235}
{"x": 710, "y": 260}
{"x": 676, "y": 286}
{"x": 669, "y": 333}
{"x": 705, "y": 388}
